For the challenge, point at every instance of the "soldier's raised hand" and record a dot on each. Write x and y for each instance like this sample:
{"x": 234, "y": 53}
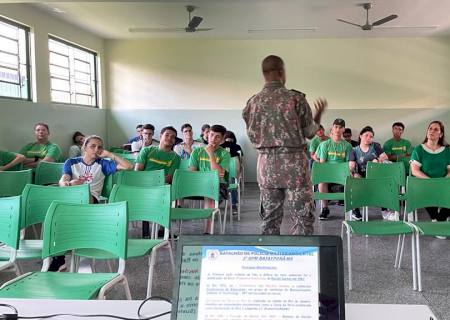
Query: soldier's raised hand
{"x": 320, "y": 105}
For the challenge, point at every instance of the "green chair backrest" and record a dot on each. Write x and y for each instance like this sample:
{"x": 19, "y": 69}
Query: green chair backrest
{"x": 69, "y": 226}
{"x": 184, "y": 164}
{"x": 234, "y": 166}
{"x": 13, "y": 182}
{"x": 37, "y": 199}
{"x": 380, "y": 192}
{"x": 118, "y": 150}
{"x": 195, "y": 184}
{"x": 108, "y": 184}
{"x": 10, "y": 221}
{"x": 421, "y": 193}
{"x": 141, "y": 178}
{"x": 48, "y": 173}
{"x": 329, "y": 172}
{"x": 395, "y": 170}
{"x": 145, "y": 204}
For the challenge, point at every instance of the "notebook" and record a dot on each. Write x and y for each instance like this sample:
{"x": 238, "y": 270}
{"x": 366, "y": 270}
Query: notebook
{"x": 254, "y": 277}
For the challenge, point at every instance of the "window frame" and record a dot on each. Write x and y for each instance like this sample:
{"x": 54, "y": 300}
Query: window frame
{"x": 27, "y": 58}
{"x": 96, "y": 81}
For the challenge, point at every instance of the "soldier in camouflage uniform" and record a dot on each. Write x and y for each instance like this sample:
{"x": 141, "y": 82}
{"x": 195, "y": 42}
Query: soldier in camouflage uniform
{"x": 278, "y": 122}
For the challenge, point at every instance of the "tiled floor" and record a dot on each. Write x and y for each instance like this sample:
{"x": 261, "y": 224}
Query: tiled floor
{"x": 374, "y": 278}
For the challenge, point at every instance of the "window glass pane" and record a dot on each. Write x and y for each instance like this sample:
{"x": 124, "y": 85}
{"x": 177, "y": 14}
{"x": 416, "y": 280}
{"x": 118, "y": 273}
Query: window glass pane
{"x": 59, "y": 84}
{"x": 9, "y": 60}
{"x": 14, "y": 61}
{"x": 9, "y": 45}
{"x": 59, "y": 71}
{"x": 59, "y": 60}
{"x": 58, "y": 47}
{"x": 81, "y": 99}
{"x": 58, "y": 96}
{"x": 8, "y": 30}
{"x": 82, "y": 88}
{"x": 82, "y": 77}
{"x": 72, "y": 70}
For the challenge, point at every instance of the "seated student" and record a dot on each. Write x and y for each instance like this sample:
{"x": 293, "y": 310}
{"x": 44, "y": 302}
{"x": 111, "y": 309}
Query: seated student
{"x": 398, "y": 149}
{"x": 230, "y": 144}
{"x": 314, "y": 143}
{"x": 161, "y": 157}
{"x": 147, "y": 140}
{"x": 42, "y": 149}
{"x": 138, "y": 135}
{"x": 92, "y": 168}
{"x": 212, "y": 157}
{"x": 348, "y": 137}
{"x": 10, "y": 159}
{"x": 431, "y": 159}
{"x": 75, "y": 149}
{"x": 366, "y": 151}
{"x": 157, "y": 158}
{"x": 185, "y": 148}
{"x": 335, "y": 149}
{"x": 204, "y": 134}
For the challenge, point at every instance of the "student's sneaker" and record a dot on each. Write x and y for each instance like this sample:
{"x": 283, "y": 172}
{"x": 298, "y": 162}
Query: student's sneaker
{"x": 356, "y": 214}
{"x": 386, "y": 214}
{"x": 438, "y": 237}
{"x": 324, "y": 214}
{"x": 58, "y": 264}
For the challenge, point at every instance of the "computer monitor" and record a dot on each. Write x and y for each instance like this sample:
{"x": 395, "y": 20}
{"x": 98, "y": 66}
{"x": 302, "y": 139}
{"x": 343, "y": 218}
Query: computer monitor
{"x": 254, "y": 277}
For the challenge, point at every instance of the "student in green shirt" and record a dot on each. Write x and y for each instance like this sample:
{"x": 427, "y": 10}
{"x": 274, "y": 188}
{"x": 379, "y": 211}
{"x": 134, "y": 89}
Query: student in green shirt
{"x": 212, "y": 157}
{"x": 42, "y": 149}
{"x": 398, "y": 149}
{"x": 335, "y": 149}
{"x": 10, "y": 159}
{"x": 161, "y": 157}
{"x": 431, "y": 159}
{"x": 314, "y": 143}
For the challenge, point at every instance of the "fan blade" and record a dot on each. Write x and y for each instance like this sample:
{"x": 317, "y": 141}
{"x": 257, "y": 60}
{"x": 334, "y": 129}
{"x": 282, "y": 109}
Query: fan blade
{"x": 353, "y": 24}
{"x": 384, "y": 20}
{"x": 195, "y": 21}
{"x": 145, "y": 30}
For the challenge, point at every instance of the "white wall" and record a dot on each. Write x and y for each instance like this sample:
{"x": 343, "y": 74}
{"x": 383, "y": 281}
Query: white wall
{"x": 18, "y": 117}
{"x": 366, "y": 81}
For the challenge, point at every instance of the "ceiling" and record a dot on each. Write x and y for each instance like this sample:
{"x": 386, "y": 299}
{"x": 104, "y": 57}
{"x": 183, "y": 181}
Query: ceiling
{"x": 232, "y": 19}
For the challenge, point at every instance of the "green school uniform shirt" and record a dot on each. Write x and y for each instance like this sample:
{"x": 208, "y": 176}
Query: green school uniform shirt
{"x": 332, "y": 151}
{"x": 41, "y": 151}
{"x": 200, "y": 160}
{"x": 6, "y": 157}
{"x": 154, "y": 158}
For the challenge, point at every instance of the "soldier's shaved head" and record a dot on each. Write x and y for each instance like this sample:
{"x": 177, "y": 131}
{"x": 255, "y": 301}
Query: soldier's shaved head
{"x": 272, "y": 63}
{"x": 273, "y": 69}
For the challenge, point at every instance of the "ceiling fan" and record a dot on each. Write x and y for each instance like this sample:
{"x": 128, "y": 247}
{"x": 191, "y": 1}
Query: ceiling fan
{"x": 192, "y": 25}
{"x": 369, "y": 26}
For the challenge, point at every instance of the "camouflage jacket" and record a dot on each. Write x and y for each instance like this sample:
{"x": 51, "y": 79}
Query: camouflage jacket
{"x": 278, "y": 118}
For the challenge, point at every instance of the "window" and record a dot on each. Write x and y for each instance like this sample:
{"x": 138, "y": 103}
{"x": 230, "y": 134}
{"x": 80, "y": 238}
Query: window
{"x": 73, "y": 73}
{"x": 14, "y": 60}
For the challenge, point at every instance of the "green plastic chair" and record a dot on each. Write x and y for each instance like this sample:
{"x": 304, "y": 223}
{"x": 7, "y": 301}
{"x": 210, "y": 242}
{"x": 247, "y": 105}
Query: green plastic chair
{"x": 423, "y": 193}
{"x": 68, "y": 227}
{"x": 13, "y": 182}
{"x": 48, "y": 173}
{"x": 187, "y": 184}
{"x": 396, "y": 170}
{"x": 9, "y": 230}
{"x": 329, "y": 173}
{"x": 35, "y": 202}
{"x": 380, "y": 192}
{"x": 184, "y": 164}
{"x": 234, "y": 184}
{"x": 144, "y": 204}
{"x": 141, "y": 178}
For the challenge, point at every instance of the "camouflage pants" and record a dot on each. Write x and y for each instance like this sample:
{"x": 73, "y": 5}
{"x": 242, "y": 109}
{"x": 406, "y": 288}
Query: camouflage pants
{"x": 298, "y": 203}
